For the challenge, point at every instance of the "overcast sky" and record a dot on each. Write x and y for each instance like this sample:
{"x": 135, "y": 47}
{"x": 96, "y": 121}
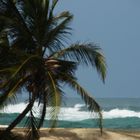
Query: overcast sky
{"x": 115, "y": 26}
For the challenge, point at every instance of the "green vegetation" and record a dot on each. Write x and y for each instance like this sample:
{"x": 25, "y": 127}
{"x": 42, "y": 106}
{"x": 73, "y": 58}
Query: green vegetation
{"x": 35, "y": 54}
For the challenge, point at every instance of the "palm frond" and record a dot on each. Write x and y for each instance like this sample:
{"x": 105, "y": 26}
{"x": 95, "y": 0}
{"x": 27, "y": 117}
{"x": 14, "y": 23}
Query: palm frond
{"x": 61, "y": 16}
{"x": 20, "y": 18}
{"x": 54, "y": 4}
{"x": 43, "y": 110}
{"x": 8, "y": 70}
{"x": 20, "y": 116}
{"x": 32, "y": 123}
{"x": 87, "y": 54}
{"x": 57, "y": 66}
{"x": 17, "y": 80}
{"x": 55, "y": 101}
{"x": 54, "y": 40}
{"x": 90, "y": 102}
{"x": 26, "y": 62}
{"x": 11, "y": 89}
{"x": 35, "y": 15}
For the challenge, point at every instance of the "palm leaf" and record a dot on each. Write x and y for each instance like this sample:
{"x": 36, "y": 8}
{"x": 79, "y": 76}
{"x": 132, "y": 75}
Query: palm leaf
{"x": 19, "y": 118}
{"x": 36, "y": 14}
{"x": 87, "y": 54}
{"x": 61, "y": 16}
{"x": 92, "y": 105}
{"x": 32, "y": 123}
{"x": 54, "y": 4}
{"x": 13, "y": 86}
{"x": 20, "y": 19}
{"x": 28, "y": 61}
{"x": 54, "y": 41}
{"x": 43, "y": 110}
{"x": 15, "y": 81}
{"x": 55, "y": 101}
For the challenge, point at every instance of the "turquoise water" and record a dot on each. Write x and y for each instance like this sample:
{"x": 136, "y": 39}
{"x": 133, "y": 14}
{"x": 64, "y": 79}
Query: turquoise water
{"x": 117, "y": 113}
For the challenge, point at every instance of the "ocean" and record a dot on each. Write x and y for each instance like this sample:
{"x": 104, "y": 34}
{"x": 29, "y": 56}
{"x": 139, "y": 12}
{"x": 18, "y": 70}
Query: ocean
{"x": 118, "y": 113}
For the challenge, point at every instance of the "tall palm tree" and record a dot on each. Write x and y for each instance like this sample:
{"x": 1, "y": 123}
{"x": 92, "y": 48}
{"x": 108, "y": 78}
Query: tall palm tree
{"x": 35, "y": 54}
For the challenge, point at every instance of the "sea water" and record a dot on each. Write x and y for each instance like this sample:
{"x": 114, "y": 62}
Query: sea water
{"x": 118, "y": 113}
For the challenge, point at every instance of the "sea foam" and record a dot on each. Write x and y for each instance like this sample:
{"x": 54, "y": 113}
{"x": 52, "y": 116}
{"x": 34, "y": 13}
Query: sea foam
{"x": 74, "y": 113}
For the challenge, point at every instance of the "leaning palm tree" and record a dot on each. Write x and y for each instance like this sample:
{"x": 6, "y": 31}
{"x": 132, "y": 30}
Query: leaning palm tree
{"x": 35, "y": 55}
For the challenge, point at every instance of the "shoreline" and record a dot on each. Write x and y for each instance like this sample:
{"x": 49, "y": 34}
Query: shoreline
{"x": 82, "y": 134}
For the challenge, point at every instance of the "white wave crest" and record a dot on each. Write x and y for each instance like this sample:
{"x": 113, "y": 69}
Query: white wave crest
{"x": 74, "y": 113}
{"x": 14, "y": 108}
{"x": 79, "y": 105}
{"x": 120, "y": 113}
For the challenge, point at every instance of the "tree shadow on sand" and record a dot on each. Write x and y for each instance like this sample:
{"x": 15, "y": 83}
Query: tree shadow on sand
{"x": 59, "y": 134}
{"x": 10, "y": 136}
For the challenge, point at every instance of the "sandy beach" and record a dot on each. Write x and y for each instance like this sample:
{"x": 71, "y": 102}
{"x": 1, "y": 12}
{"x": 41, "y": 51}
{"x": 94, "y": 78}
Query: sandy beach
{"x": 83, "y": 134}
{"x": 87, "y": 134}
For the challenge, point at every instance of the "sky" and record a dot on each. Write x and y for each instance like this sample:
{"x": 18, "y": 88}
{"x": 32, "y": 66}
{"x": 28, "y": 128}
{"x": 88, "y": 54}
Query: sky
{"x": 114, "y": 25}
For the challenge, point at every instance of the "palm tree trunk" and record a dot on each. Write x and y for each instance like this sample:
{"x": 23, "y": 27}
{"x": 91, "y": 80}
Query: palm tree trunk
{"x": 43, "y": 113}
{"x": 18, "y": 119}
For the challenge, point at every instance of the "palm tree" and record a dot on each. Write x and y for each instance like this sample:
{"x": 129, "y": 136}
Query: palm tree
{"x": 35, "y": 54}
